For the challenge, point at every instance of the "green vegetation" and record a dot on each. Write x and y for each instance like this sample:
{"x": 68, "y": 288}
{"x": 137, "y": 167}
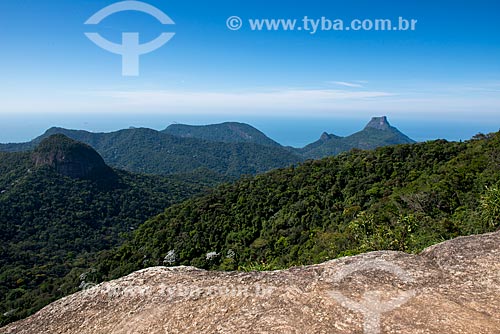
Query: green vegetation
{"x": 377, "y": 133}
{"x": 59, "y": 233}
{"x": 153, "y": 152}
{"x": 228, "y": 149}
{"x": 229, "y": 132}
{"x": 403, "y": 198}
{"x": 52, "y": 225}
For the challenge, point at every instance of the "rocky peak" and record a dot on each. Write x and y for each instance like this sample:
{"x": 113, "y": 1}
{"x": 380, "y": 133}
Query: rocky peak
{"x": 452, "y": 288}
{"x": 379, "y": 123}
{"x": 324, "y": 136}
{"x": 69, "y": 157}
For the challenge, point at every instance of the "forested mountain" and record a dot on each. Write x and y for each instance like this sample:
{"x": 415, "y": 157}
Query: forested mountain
{"x": 404, "y": 197}
{"x": 229, "y": 132}
{"x": 228, "y": 149}
{"x": 377, "y": 133}
{"x": 61, "y": 204}
{"x": 153, "y": 152}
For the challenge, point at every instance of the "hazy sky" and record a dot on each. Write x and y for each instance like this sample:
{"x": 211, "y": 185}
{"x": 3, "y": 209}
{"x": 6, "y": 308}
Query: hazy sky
{"x": 442, "y": 80}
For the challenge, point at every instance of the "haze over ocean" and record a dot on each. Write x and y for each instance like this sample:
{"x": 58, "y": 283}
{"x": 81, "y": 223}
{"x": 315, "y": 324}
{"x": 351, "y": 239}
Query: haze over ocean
{"x": 440, "y": 80}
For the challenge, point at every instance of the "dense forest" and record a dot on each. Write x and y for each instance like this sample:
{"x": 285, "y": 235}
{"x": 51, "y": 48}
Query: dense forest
{"x": 228, "y": 149}
{"x": 228, "y": 132}
{"x": 60, "y": 234}
{"x": 153, "y": 152}
{"x": 402, "y": 198}
{"x": 53, "y": 225}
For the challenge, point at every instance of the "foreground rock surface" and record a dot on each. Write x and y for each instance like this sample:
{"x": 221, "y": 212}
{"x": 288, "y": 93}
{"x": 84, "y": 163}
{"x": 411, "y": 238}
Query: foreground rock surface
{"x": 453, "y": 287}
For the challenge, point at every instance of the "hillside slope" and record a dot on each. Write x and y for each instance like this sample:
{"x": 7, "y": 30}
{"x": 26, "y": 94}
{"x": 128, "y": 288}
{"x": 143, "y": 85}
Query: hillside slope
{"x": 451, "y": 288}
{"x": 228, "y": 149}
{"x": 148, "y": 151}
{"x": 401, "y": 198}
{"x": 59, "y": 206}
{"x": 377, "y": 133}
{"x": 228, "y": 132}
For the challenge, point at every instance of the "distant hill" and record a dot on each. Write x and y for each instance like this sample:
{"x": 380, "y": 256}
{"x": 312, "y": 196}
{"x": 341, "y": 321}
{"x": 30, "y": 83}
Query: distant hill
{"x": 377, "y": 133}
{"x": 71, "y": 158}
{"x": 153, "y": 152}
{"x": 228, "y": 149}
{"x": 229, "y": 132}
{"x": 59, "y": 205}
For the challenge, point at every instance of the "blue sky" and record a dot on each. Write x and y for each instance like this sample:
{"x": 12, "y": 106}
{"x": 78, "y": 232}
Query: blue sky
{"x": 442, "y": 80}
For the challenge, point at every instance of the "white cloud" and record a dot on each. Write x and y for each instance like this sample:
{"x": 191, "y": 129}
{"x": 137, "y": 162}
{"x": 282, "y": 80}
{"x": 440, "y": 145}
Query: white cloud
{"x": 276, "y": 102}
{"x": 357, "y": 84}
{"x": 254, "y": 101}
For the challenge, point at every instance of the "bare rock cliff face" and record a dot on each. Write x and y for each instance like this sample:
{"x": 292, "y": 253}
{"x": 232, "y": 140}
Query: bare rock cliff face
{"x": 453, "y": 287}
{"x": 69, "y": 158}
{"x": 379, "y": 123}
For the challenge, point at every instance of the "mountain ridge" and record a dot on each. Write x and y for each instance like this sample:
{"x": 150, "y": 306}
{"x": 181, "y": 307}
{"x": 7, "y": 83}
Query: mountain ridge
{"x": 377, "y": 133}
{"x": 232, "y": 149}
{"x": 149, "y": 151}
{"x": 227, "y": 132}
